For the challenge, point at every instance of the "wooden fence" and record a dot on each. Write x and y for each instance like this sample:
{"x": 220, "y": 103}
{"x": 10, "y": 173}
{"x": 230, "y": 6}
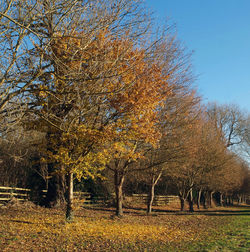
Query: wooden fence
{"x": 7, "y": 193}
{"x": 159, "y": 200}
{"x": 22, "y": 194}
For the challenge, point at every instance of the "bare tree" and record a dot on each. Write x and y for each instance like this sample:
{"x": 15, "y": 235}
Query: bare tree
{"x": 231, "y": 121}
{"x": 17, "y": 148}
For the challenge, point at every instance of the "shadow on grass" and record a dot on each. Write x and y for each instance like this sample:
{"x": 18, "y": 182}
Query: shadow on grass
{"x": 19, "y": 221}
{"x": 224, "y": 212}
{"x": 231, "y": 211}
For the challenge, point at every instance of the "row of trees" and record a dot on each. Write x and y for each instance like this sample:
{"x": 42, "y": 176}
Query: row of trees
{"x": 197, "y": 157}
{"x": 87, "y": 89}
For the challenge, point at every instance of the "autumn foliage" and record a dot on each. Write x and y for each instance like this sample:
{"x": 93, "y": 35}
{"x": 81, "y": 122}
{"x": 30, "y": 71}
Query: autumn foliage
{"x": 105, "y": 97}
{"x": 98, "y": 95}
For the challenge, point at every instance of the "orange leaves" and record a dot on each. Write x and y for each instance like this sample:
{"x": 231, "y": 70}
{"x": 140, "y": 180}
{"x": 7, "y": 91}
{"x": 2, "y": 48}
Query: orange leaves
{"x": 141, "y": 97}
{"x": 106, "y": 97}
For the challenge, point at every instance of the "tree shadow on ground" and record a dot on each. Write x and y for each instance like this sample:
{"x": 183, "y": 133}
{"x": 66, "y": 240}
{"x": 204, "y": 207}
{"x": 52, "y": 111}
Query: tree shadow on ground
{"x": 214, "y": 212}
{"x": 19, "y": 221}
{"x": 139, "y": 211}
{"x": 224, "y": 212}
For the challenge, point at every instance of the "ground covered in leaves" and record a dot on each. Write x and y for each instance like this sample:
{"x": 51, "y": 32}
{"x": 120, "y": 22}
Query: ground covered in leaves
{"x": 31, "y": 228}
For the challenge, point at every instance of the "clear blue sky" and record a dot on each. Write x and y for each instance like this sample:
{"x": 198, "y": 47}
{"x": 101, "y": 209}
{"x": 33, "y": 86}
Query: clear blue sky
{"x": 219, "y": 33}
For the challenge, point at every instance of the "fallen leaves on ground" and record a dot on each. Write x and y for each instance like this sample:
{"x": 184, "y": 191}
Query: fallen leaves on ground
{"x": 40, "y": 229}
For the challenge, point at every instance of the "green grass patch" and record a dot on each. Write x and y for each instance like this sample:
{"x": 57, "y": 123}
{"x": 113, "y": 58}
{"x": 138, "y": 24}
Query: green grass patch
{"x": 233, "y": 235}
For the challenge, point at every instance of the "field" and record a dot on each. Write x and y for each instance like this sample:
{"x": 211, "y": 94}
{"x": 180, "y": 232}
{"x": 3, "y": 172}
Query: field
{"x": 30, "y": 228}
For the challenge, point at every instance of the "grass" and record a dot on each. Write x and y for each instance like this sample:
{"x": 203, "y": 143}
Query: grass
{"x": 39, "y": 229}
{"x": 234, "y": 235}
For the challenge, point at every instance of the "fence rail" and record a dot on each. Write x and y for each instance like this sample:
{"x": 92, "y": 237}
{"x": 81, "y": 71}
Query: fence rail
{"x": 22, "y": 194}
{"x": 159, "y": 200}
{"x": 7, "y": 193}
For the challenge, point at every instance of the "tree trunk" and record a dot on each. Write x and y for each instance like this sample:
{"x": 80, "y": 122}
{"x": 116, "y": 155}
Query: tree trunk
{"x": 226, "y": 200}
{"x": 205, "y": 200}
{"x": 152, "y": 192}
{"x": 199, "y": 199}
{"x": 239, "y": 199}
{"x": 55, "y": 196}
{"x": 150, "y": 198}
{"x": 119, "y": 179}
{"x": 210, "y": 198}
{"x": 231, "y": 200}
{"x": 191, "y": 201}
{"x": 182, "y": 200}
{"x": 221, "y": 199}
{"x": 69, "y": 208}
{"x": 244, "y": 198}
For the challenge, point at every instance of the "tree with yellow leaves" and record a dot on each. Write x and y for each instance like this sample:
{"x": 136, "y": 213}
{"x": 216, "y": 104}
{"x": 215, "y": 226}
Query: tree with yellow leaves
{"x": 35, "y": 66}
{"x": 103, "y": 102}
